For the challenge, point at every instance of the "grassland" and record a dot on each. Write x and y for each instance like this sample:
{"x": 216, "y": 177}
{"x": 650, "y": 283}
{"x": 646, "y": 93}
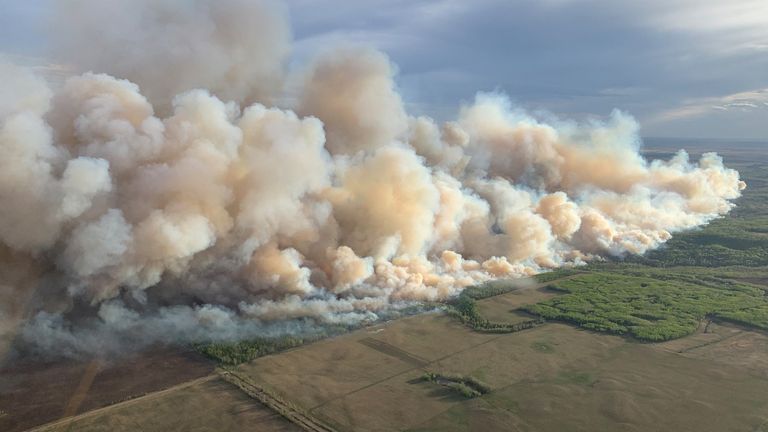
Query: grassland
{"x": 465, "y": 309}
{"x": 540, "y": 380}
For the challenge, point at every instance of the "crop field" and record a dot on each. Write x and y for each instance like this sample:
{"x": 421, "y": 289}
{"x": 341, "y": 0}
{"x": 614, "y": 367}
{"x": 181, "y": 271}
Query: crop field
{"x": 730, "y": 345}
{"x": 36, "y": 393}
{"x": 509, "y": 307}
{"x": 629, "y": 387}
{"x": 540, "y": 379}
{"x": 206, "y": 404}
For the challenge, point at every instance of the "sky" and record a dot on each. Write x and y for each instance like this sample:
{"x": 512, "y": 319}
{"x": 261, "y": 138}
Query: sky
{"x": 683, "y": 68}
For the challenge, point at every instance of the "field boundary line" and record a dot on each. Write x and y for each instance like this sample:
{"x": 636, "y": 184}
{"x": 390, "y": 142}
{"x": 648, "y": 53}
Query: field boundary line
{"x": 287, "y": 410}
{"x": 393, "y": 351}
{"x": 430, "y": 362}
{"x": 714, "y": 342}
{"x": 124, "y": 403}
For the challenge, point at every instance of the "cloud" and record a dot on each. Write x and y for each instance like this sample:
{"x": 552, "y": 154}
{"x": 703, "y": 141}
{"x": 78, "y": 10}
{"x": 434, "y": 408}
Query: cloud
{"x": 727, "y": 27}
{"x": 743, "y": 101}
{"x": 637, "y": 56}
{"x": 564, "y": 56}
{"x": 741, "y": 105}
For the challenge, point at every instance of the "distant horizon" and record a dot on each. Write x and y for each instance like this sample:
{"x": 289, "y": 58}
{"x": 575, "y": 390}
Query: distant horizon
{"x": 711, "y": 139}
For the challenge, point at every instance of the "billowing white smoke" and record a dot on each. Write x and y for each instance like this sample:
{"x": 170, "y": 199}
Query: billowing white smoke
{"x": 235, "y": 48}
{"x": 223, "y": 219}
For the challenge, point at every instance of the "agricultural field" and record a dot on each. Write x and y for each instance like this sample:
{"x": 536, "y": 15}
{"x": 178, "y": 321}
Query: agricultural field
{"x": 540, "y": 379}
{"x": 206, "y": 404}
{"x": 510, "y": 308}
{"x": 33, "y": 393}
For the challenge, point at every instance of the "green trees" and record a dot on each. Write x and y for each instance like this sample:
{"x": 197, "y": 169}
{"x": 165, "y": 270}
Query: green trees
{"x": 464, "y": 308}
{"x": 234, "y": 353}
{"x": 652, "y": 305}
{"x": 467, "y": 386}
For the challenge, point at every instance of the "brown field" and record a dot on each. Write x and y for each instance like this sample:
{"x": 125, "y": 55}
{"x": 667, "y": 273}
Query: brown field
{"x": 633, "y": 388}
{"x": 746, "y": 350}
{"x": 203, "y": 405}
{"x": 502, "y": 308}
{"x": 726, "y": 344}
{"x": 550, "y": 378}
{"x": 33, "y": 393}
{"x": 704, "y": 336}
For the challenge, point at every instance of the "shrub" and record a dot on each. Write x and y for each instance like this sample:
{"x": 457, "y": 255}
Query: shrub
{"x": 467, "y": 386}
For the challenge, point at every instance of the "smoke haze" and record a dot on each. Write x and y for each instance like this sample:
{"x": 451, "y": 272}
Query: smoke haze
{"x": 171, "y": 200}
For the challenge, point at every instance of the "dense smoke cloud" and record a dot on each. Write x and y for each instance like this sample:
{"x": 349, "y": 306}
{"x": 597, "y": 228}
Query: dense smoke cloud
{"x": 235, "y": 48}
{"x": 218, "y": 218}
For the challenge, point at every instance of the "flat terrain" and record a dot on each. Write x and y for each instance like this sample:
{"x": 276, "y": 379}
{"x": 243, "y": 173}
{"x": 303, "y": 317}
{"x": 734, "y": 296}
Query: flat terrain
{"x": 548, "y": 378}
{"x": 504, "y": 308}
{"x": 207, "y": 404}
{"x": 541, "y": 379}
{"x": 33, "y": 393}
{"x": 728, "y": 345}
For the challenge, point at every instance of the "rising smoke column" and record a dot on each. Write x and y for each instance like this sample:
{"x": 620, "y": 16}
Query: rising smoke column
{"x": 235, "y": 48}
{"x": 132, "y": 214}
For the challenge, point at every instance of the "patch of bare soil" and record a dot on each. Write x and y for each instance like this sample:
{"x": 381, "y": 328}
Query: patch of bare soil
{"x": 33, "y": 392}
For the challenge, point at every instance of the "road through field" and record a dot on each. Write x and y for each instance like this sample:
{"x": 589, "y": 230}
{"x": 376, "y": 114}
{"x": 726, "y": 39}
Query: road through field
{"x": 285, "y": 409}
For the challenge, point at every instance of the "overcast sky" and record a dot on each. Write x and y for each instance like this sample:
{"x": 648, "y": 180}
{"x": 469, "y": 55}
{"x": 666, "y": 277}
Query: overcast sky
{"x": 684, "y": 68}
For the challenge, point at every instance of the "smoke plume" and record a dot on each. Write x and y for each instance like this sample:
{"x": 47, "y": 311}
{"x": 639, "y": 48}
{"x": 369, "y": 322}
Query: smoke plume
{"x": 169, "y": 200}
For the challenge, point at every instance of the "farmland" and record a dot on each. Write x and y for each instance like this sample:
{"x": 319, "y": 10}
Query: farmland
{"x": 38, "y": 392}
{"x": 207, "y": 404}
{"x": 540, "y": 379}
